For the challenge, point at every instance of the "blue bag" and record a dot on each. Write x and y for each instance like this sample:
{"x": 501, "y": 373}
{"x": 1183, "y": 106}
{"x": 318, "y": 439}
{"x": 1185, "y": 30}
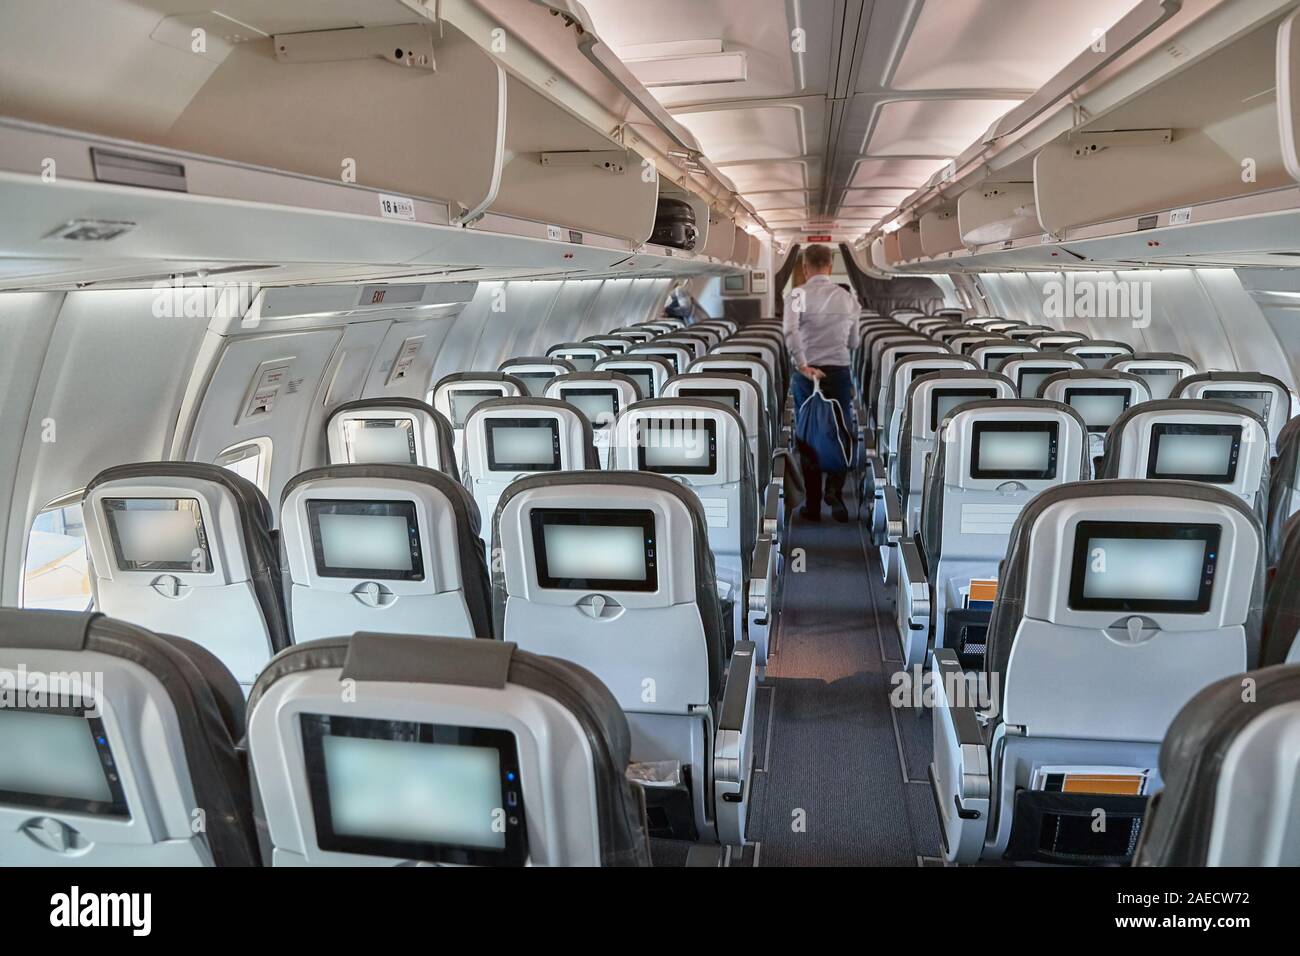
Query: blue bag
{"x": 826, "y": 428}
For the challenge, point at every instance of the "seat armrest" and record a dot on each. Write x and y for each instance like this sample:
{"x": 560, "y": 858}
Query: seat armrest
{"x": 770, "y": 524}
{"x": 877, "y": 466}
{"x": 762, "y": 594}
{"x": 960, "y": 778}
{"x": 893, "y": 515}
{"x": 733, "y": 745}
{"x": 912, "y": 604}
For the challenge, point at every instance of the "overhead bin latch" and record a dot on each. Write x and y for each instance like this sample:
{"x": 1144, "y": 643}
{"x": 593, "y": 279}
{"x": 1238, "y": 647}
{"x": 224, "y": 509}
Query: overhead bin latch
{"x": 1089, "y": 144}
{"x": 611, "y": 160}
{"x": 408, "y": 45}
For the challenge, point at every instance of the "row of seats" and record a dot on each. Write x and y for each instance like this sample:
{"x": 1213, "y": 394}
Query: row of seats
{"x": 624, "y": 571}
{"x": 1119, "y": 598}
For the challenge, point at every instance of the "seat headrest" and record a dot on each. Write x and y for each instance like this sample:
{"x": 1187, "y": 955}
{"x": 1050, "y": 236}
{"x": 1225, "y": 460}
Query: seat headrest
{"x": 546, "y": 361}
{"x": 443, "y": 436}
{"x": 1171, "y": 358}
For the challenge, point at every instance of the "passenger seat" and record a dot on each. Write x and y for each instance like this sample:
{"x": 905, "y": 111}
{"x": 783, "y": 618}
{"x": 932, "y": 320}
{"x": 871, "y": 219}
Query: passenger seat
{"x": 186, "y": 548}
{"x": 383, "y": 547}
{"x": 136, "y": 765}
{"x": 529, "y": 756}
{"x": 1229, "y": 762}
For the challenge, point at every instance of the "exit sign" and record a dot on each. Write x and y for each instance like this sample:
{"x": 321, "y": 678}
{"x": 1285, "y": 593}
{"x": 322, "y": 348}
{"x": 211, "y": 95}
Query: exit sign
{"x": 819, "y": 238}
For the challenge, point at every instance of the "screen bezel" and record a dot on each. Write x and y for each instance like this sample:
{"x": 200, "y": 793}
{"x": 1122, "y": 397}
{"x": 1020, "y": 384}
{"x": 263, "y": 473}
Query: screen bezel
{"x": 315, "y": 727}
{"x": 542, "y": 378}
{"x": 968, "y": 394}
{"x": 670, "y": 357}
{"x": 111, "y": 506}
{"x": 483, "y": 394}
{"x": 1050, "y": 370}
{"x": 492, "y": 423}
{"x": 711, "y": 431}
{"x": 360, "y": 424}
{"x": 540, "y": 518}
{"x": 1125, "y": 393}
{"x": 1086, "y": 531}
{"x": 1160, "y": 429}
{"x": 647, "y": 387}
{"x": 998, "y": 355}
{"x": 115, "y": 808}
{"x": 395, "y": 508}
{"x": 1227, "y": 395}
{"x": 981, "y": 428}
{"x": 715, "y": 394}
{"x": 729, "y": 370}
{"x": 593, "y": 391}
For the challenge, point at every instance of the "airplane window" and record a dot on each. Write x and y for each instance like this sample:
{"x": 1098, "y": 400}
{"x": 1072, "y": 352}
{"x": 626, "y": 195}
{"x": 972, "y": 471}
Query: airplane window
{"x": 249, "y": 459}
{"x": 56, "y": 575}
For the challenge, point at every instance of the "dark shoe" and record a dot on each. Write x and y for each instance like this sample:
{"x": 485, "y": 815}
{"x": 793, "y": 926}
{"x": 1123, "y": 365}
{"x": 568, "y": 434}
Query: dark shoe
{"x": 809, "y": 515}
{"x": 839, "y": 512}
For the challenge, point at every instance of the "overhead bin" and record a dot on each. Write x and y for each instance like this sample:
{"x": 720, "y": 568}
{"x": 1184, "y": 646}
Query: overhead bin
{"x": 313, "y": 154}
{"x": 721, "y": 238}
{"x": 940, "y": 233}
{"x": 909, "y": 241}
{"x": 559, "y": 171}
{"x": 1209, "y": 132}
{"x": 997, "y": 212}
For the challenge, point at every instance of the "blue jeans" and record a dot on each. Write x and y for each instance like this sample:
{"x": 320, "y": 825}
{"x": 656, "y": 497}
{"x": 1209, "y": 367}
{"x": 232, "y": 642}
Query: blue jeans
{"x": 838, "y": 384}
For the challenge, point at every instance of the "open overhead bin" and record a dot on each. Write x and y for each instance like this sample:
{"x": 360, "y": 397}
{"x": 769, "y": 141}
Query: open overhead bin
{"x": 1211, "y": 132}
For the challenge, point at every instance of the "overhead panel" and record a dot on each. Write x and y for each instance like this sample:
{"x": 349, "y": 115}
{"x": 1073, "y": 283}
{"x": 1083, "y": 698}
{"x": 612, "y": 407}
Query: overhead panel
{"x": 1000, "y": 44}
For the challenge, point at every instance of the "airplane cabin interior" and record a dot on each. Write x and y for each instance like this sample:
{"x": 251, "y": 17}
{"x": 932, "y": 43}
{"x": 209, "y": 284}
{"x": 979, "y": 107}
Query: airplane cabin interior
{"x": 416, "y": 415}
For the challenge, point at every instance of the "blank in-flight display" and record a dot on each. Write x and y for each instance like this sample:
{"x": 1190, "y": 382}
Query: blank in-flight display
{"x": 1099, "y": 407}
{"x": 380, "y": 440}
{"x": 1135, "y": 566}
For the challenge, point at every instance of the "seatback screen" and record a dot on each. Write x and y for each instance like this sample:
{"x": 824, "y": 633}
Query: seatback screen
{"x": 1008, "y": 449}
{"x": 1033, "y": 377}
{"x": 944, "y": 400}
{"x": 158, "y": 534}
{"x": 380, "y": 441}
{"x": 58, "y": 759}
{"x": 522, "y": 444}
{"x": 535, "y": 382}
{"x": 366, "y": 539}
{"x": 583, "y": 362}
{"x": 1099, "y": 407}
{"x": 995, "y": 358}
{"x": 465, "y": 400}
{"x": 1095, "y": 359}
{"x": 645, "y": 380}
{"x": 733, "y": 370}
{"x": 723, "y": 396}
{"x": 678, "y": 446}
{"x": 598, "y": 405}
{"x": 595, "y": 549}
{"x": 1257, "y": 403}
{"x": 1193, "y": 452}
{"x": 670, "y": 358}
{"x": 918, "y": 370}
{"x": 397, "y": 788}
{"x": 1161, "y": 381}
{"x": 1142, "y": 566}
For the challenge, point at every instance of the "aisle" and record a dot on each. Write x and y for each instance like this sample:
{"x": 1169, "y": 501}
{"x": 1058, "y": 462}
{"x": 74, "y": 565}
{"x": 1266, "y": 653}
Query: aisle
{"x": 835, "y": 757}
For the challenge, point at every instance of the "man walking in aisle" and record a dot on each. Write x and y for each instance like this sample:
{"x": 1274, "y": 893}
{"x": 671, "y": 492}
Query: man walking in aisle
{"x": 821, "y": 331}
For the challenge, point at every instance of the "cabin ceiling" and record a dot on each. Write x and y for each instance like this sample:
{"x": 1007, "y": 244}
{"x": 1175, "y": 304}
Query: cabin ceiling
{"x": 883, "y": 94}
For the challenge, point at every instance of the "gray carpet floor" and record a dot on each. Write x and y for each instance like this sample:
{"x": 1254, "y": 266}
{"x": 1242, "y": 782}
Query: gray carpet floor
{"x": 843, "y": 773}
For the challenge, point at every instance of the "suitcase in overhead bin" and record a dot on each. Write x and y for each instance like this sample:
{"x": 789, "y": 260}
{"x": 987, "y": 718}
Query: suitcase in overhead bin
{"x": 674, "y": 224}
